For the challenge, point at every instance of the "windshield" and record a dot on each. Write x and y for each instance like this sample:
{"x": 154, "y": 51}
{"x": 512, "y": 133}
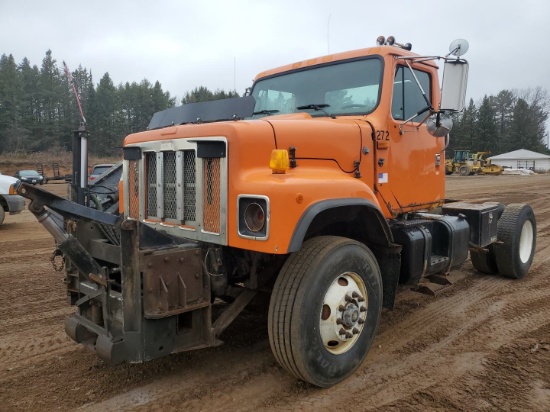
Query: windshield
{"x": 28, "y": 173}
{"x": 349, "y": 87}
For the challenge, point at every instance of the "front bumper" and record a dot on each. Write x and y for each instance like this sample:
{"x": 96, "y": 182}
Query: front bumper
{"x": 15, "y": 203}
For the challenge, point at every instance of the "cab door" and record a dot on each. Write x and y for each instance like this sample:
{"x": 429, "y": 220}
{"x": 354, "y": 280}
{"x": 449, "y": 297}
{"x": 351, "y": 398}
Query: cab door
{"x": 409, "y": 164}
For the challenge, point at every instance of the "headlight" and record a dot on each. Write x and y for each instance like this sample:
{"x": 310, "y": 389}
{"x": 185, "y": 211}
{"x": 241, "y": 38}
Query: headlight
{"x": 253, "y": 215}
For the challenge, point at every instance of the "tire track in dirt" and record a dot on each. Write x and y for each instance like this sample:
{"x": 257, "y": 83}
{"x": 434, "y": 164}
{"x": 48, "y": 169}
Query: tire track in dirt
{"x": 21, "y": 323}
{"x": 470, "y": 348}
{"x": 382, "y": 380}
{"x": 20, "y": 350}
{"x": 457, "y": 354}
{"x": 17, "y": 254}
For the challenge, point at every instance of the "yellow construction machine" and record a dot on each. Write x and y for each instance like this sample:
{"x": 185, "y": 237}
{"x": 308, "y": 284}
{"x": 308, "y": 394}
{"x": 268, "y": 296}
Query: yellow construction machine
{"x": 467, "y": 163}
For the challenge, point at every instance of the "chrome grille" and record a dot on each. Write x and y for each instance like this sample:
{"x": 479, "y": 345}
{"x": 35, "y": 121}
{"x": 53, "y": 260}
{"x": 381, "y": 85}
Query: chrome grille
{"x": 175, "y": 188}
{"x": 171, "y": 186}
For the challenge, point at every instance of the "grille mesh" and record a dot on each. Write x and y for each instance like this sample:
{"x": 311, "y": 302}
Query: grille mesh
{"x": 176, "y": 194}
{"x": 211, "y": 195}
{"x": 133, "y": 189}
{"x": 151, "y": 184}
{"x": 189, "y": 187}
{"x": 169, "y": 185}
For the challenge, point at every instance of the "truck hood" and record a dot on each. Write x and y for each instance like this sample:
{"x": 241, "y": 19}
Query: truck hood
{"x": 6, "y": 182}
{"x": 339, "y": 141}
{"x": 320, "y": 138}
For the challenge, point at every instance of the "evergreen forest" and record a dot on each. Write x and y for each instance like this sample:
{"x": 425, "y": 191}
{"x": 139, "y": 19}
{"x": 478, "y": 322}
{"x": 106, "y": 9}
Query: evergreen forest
{"x": 509, "y": 121}
{"x": 38, "y": 111}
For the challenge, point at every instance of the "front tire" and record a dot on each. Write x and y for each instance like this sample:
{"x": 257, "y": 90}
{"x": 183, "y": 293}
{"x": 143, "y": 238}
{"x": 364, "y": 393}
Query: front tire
{"x": 325, "y": 309}
{"x": 2, "y": 214}
{"x": 464, "y": 170}
{"x": 517, "y": 230}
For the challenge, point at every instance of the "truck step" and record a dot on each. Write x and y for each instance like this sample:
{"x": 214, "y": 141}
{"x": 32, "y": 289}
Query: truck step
{"x": 434, "y": 285}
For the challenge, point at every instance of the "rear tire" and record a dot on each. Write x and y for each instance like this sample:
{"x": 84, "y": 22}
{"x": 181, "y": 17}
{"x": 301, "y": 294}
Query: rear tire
{"x": 517, "y": 230}
{"x": 325, "y": 309}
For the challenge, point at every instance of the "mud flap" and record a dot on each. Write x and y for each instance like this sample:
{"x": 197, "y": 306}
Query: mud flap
{"x": 389, "y": 261}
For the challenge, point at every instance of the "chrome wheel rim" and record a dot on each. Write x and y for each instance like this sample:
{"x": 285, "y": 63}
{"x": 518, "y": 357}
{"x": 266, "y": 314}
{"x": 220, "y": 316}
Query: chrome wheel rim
{"x": 343, "y": 313}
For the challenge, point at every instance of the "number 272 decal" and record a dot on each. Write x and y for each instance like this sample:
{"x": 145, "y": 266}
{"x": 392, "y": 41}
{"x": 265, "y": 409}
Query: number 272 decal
{"x": 382, "y": 135}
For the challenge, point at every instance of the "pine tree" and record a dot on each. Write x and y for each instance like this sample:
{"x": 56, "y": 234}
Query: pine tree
{"x": 203, "y": 94}
{"x": 486, "y": 138}
{"x": 53, "y": 99}
{"x": 105, "y": 118}
{"x": 12, "y": 131}
{"x": 503, "y": 104}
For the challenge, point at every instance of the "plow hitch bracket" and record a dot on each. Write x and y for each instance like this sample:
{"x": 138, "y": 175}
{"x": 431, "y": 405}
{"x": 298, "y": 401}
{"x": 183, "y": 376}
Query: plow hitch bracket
{"x": 66, "y": 243}
{"x": 65, "y": 208}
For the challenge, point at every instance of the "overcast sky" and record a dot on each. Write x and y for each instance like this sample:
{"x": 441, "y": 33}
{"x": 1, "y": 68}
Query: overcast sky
{"x": 224, "y": 44}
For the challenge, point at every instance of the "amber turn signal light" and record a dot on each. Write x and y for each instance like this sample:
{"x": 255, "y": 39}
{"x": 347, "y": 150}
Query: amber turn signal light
{"x": 279, "y": 162}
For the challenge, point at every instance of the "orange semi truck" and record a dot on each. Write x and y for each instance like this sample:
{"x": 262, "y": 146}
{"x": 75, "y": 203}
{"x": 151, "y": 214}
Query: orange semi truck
{"x": 319, "y": 191}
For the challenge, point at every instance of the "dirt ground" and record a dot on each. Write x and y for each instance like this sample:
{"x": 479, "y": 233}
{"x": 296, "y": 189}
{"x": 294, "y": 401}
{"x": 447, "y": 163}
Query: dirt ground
{"x": 482, "y": 345}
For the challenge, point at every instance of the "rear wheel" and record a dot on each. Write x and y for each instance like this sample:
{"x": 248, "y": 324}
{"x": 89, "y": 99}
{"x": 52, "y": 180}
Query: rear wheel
{"x": 325, "y": 309}
{"x": 517, "y": 230}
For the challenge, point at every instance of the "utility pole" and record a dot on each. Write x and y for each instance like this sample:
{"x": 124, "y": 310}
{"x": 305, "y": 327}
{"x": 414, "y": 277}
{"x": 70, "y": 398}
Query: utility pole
{"x": 328, "y": 34}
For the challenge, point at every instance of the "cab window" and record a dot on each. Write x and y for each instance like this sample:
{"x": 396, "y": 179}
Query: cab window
{"x": 407, "y": 96}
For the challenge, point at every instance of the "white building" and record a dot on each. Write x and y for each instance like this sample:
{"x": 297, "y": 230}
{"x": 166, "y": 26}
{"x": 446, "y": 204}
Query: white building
{"x": 523, "y": 159}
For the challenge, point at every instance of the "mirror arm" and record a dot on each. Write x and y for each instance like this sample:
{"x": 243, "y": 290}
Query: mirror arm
{"x": 420, "y": 87}
{"x": 425, "y": 109}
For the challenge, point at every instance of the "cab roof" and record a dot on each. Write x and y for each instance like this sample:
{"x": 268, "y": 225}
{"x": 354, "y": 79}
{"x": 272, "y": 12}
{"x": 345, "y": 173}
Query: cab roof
{"x": 378, "y": 50}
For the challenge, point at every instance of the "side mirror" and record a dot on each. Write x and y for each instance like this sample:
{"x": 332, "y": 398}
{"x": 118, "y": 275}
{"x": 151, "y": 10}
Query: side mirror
{"x": 453, "y": 88}
{"x": 439, "y": 124}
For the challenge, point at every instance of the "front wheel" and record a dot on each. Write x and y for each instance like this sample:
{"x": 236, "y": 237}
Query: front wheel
{"x": 325, "y": 309}
{"x": 516, "y": 232}
{"x": 464, "y": 170}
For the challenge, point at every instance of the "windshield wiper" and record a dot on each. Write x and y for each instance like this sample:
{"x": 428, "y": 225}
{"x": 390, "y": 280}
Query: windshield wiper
{"x": 317, "y": 107}
{"x": 266, "y": 111}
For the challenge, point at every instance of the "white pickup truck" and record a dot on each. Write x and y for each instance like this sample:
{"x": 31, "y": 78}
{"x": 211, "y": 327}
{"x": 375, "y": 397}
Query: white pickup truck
{"x": 10, "y": 202}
